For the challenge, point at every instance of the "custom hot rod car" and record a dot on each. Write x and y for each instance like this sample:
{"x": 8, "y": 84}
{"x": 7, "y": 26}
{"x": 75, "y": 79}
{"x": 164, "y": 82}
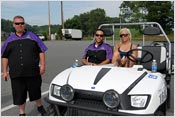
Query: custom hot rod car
{"x": 111, "y": 90}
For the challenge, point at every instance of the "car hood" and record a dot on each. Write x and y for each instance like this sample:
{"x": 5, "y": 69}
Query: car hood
{"x": 99, "y": 78}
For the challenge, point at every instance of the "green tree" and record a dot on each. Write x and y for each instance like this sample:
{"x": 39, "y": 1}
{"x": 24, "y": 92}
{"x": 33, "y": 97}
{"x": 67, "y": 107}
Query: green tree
{"x": 112, "y": 20}
{"x": 6, "y": 25}
{"x": 88, "y": 22}
{"x": 150, "y": 11}
{"x": 73, "y": 23}
{"x": 59, "y": 34}
{"x": 84, "y": 18}
{"x": 97, "y": 17}
{"x": 161, "y": 12}
{"x": 45, "y": 35}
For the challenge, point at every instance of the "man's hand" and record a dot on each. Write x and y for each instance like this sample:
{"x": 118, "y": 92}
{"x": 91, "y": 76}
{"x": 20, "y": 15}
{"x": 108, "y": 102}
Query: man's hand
{"x": 93, "y": 64}
{"x": 42, "y": 69}
{"x": 5, "y": 76}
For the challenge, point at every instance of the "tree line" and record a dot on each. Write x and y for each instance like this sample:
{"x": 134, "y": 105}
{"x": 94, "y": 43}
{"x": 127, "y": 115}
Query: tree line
{"x": 130, "y": 11}
{"x": 150, "y": 11}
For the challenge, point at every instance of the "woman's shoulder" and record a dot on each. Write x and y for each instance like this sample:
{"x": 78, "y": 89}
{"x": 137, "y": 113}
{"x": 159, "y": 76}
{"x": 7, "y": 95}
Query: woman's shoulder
{"x": 117, "y": 45}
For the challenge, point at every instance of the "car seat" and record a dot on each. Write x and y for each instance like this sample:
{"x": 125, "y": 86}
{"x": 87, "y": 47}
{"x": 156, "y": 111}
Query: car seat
{"x": 159, "y": 52}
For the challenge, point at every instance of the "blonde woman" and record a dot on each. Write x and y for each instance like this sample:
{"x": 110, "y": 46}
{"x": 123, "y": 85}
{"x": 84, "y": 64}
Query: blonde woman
{"x": 119, "y": 57}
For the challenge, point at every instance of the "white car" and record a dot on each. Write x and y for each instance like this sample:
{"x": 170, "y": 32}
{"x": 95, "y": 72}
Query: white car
{"x": 111, "y": 90}
{"x": 41, "y": 37}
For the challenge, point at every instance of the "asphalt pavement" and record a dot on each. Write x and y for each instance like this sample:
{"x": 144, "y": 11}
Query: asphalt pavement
{"x": 60, "y": 55}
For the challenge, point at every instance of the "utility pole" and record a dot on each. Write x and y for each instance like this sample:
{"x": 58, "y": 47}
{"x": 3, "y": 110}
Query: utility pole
{"x": 62, "y": 15}
{"x": 49, "y": 19}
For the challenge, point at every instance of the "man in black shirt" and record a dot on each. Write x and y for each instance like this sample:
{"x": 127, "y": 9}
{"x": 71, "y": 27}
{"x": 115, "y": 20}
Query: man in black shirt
{"x": 23, "y": 53}
{"x": 99, "y": 52}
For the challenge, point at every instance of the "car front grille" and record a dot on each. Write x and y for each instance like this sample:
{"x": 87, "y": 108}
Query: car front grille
{"x": 92, "y": 95}
{"x": 89, "y": 99}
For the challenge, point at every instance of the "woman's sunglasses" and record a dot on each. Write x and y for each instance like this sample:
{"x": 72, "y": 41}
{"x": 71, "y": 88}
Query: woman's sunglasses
{"x": 125, "y": 35}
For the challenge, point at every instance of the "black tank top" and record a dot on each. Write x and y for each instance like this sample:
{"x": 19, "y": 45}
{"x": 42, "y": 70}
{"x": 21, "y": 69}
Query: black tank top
{"x": 122, "y": 54}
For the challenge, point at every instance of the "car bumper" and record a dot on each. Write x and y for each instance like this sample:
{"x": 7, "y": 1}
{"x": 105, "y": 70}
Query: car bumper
{"x": 97, "y": 110}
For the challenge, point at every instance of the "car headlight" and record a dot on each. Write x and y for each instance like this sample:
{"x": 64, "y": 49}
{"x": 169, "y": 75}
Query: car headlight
{"x": 67, "y": 93}
{"x": 138, "y": 101}
{"x": 56, "y": 90}
{"x": 111, "y": 99}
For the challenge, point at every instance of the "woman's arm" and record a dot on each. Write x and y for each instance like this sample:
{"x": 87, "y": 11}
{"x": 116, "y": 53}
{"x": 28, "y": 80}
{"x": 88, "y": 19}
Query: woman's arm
{"x": 135, "y": 54}
{"x": 116, "y": 56}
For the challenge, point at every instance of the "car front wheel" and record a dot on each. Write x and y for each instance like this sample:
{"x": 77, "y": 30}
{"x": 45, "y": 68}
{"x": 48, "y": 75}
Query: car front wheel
{"x": 161, "y": 111}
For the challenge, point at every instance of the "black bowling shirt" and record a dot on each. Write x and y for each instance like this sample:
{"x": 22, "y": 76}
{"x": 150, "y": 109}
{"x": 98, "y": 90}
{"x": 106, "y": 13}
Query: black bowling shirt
{"x": 23, "y": 54}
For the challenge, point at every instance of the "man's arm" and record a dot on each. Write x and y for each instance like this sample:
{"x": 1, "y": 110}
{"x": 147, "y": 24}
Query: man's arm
{"x": 85, "y": 62}
{"x": 42, "y": 63}
{"x": 107, "y": 61}
{"x": 4, "y": 67}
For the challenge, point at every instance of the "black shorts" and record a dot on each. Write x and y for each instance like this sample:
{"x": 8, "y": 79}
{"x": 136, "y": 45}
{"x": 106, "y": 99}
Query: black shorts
{"x": 22, "y": 85}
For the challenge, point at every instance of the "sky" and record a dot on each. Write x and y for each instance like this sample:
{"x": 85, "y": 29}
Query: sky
{"x": 36, "y": 12}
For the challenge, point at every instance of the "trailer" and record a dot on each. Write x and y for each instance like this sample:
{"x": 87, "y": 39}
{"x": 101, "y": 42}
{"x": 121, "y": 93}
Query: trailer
{"x": 75, "y": 34}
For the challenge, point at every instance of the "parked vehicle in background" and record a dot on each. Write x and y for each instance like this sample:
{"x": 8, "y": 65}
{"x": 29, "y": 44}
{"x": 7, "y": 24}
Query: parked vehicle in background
{"x": 41, "y": 37}
{"x": 75, "y": 34}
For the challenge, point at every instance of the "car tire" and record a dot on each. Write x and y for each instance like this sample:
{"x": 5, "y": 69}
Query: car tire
{"x": 161, "y": 111}
{"x": 60, "y": 110}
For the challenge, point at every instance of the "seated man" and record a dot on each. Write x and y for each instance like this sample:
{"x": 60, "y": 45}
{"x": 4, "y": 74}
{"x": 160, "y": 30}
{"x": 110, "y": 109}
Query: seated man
{"x": 98, "y": 53}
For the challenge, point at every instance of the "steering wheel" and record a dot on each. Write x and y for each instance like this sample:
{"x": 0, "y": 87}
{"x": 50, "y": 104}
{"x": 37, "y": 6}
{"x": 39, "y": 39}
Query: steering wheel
{"x": 146, "y": 56}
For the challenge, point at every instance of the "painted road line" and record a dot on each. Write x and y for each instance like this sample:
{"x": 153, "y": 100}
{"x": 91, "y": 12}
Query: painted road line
{"x": 11, "y": 106}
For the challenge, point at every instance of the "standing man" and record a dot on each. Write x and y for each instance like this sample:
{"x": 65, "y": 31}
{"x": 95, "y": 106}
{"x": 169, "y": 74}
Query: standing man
{"x": 98, "y": 53}
{"x": 23, "y": 53}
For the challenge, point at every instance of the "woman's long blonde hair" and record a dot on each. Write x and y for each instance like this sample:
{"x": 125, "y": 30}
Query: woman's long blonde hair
{"x": 129, "y": 32}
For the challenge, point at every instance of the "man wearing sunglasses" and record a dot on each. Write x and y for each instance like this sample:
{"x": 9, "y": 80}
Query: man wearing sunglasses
{"x": 23, "y": 53}
{"x": 97, "y": 53}
{"x": 121, "y": 49}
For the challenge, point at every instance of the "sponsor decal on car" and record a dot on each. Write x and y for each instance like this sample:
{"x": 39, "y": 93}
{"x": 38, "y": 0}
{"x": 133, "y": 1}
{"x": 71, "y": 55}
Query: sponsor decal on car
{"x": 152, "y": 76}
